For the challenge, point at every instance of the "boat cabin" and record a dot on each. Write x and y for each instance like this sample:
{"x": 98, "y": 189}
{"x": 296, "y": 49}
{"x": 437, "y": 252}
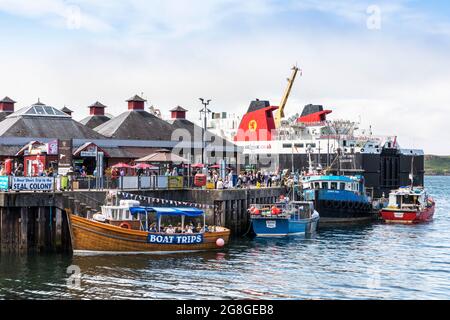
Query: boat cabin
{"x": 407, "y": 198}
{"x": 353, "y": 184}
{"x": 120, "y": 212}
{"x": 295, "y": 210}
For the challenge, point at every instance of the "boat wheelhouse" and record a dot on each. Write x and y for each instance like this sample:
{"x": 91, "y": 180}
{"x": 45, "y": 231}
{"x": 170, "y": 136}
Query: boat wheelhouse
{"x": 408, "y": 205}
{"x": 339, "y": 199}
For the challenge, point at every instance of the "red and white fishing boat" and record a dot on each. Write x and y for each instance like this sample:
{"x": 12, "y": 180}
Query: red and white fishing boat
{"x": 408, "y": 205}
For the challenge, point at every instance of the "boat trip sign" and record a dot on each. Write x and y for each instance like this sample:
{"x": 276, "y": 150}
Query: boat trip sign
{"x": 32, "y": 183}
{"x": 175, "y": 239}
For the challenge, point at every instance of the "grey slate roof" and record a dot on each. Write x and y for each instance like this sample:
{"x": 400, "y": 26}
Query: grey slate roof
{"x": 7, "y": 150}
{"x": 3, "y": 115}
{"x": 94, "y": 121}
{"x": 178, "y": 108}
{"x": 97, "y": 105}
{"x": 138, "y": 125}
{"x": 136, "y": 98}
{"x": 42, "y": 121}
{"x": 65, "y": 109}
{"x": 7, "y": 100}
{"x": 194, "y": 130}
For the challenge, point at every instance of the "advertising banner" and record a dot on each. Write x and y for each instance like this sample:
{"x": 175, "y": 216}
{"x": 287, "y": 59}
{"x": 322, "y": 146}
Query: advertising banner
{"x": 4, "y": 185}
{"x": 32, "y": 183}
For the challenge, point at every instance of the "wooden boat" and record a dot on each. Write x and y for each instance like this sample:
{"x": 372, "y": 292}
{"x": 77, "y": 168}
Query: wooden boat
{"x": 408, "y": 205}
{"x": 97, "y": 236}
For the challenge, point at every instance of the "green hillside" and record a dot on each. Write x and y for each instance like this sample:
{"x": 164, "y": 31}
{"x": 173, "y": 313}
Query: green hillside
{"x": 437, "y": 165}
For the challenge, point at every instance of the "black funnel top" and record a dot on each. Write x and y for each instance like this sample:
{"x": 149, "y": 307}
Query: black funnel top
{"x": 310, "y": 109}
{"x": 257, "y": 105}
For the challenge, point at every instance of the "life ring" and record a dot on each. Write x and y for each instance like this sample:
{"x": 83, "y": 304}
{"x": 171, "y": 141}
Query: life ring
{"x": 328, "y": 203}
{"x": 125, "y": 225}
{"x": 336, "y": 204}
{"x": 358, "y": 205}
{"x": 344, "y": 204}
{"x": 350, "y": 204}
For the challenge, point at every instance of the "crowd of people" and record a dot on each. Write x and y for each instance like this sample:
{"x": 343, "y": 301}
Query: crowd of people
{"x": 246, "y": 179}
{"x": 228, "y": 180}
{"x": 188, "y": 228}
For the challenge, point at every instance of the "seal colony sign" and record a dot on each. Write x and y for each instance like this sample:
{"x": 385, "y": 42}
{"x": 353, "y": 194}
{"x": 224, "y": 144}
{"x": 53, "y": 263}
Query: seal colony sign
{"x": 32, "y": 183}
{"x": 252, "y": 125}
{"x": 175, "y": 238}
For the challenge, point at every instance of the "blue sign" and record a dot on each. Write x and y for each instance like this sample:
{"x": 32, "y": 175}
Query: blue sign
{"x": 4, "y": 183}
{"x": 175, "y": 238}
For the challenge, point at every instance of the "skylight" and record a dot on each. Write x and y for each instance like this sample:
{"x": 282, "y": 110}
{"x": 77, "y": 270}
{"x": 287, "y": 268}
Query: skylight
{"x": 39, "y": 110}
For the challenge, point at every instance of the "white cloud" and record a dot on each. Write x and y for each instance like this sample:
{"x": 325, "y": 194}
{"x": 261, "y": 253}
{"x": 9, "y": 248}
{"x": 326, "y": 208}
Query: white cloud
{"x": 54, "y": 12}
{"x": 218, "y": 49}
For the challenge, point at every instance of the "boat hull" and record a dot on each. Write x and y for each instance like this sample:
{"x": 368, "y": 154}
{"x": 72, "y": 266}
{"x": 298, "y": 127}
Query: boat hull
{"x": 407, "y": 217}
{"x": 96, "y": 237}
{"x": 344, "y": 212}
{"x": 281, "y": 227}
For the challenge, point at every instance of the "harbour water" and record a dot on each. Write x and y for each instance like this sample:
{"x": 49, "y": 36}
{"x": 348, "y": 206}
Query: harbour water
{"x": 375, "y": 261}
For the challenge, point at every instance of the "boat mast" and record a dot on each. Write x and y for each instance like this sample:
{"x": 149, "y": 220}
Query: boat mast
{"x": 280, "y": 112}
{"x": 411, "y": 176}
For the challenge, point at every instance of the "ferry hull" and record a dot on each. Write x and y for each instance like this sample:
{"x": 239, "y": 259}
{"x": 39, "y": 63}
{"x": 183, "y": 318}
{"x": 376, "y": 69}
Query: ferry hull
{"x": 279, "y": 227}
{"x": 96, "y": 237}
{"x": 407, "y": 217}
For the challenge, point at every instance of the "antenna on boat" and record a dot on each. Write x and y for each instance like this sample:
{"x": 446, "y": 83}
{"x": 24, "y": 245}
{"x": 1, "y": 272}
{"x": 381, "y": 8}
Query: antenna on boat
{"x": 310, "y": 166}
{"x": 411, "y": 175}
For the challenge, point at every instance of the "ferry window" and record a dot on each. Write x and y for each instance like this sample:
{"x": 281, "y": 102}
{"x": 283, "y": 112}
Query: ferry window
{"x": 334, "y": 185}
{"x": 287, "y": 145}
{"x": 316, "y": 185}
{"x": 298, "y": 145}
{"x": 324, "y": 185}
{"x": 342, "y": 186}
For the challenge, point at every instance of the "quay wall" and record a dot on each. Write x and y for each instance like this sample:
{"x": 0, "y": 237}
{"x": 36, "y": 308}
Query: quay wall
{"x": 37, "y": 221}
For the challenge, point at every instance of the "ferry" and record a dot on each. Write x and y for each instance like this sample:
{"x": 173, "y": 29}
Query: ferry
{"x": 339, "y": 199}
{"x": 272, "y": 141}
{"x": 284, "y": 219}
{"x": 408, "y": 205}
{"x": 128, "y": 229}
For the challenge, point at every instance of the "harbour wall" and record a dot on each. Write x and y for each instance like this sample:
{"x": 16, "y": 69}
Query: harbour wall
{"x": 37, "y": 221}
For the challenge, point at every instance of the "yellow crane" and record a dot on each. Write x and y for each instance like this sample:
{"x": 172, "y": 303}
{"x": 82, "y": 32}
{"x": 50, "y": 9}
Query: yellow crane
{"x": 280, "y": 112}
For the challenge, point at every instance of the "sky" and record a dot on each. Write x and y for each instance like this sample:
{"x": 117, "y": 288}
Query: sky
{"x": 384, "y": 63}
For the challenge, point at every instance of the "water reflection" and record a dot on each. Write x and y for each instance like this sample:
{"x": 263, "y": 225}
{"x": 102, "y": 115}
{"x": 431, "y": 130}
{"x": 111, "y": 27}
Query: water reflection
{"x": 362, "y": 261}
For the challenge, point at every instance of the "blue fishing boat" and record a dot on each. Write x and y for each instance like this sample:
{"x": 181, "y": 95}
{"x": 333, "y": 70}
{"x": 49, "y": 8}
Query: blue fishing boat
{"x": 284, "y": 219}
{"x": 339, "y": 199}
